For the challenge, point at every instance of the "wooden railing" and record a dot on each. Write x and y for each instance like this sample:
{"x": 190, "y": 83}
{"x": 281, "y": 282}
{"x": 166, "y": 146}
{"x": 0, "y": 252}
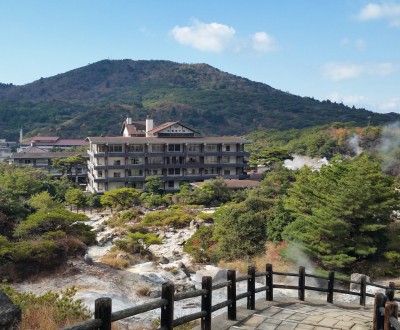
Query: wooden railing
{"x": 386, "y": 311}
{"x": 103, "y": 316}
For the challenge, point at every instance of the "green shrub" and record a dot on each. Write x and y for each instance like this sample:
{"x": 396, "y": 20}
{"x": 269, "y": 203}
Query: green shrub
{"x": 137, "y": 242}
{"x": 201, "y": 246}
{"x": 121, "y": 219}
{"x": 175, "y": 216}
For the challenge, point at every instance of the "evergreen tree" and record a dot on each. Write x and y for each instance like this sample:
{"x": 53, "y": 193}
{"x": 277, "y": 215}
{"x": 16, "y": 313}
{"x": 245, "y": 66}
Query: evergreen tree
{"x": 342, "y": 212}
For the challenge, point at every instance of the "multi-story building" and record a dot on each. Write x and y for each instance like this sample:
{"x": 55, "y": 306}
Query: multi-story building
{"x": 172, "y": 151}
{"x": 42, "y": 159}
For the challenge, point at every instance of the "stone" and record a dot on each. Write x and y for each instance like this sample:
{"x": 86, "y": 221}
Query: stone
{"x": 88, "y": 259}
{"x": 183, "y": 267}
{"x": 163, "y": 260}
{"x": 10, "y": 314}
{"x": 357, "y": 278}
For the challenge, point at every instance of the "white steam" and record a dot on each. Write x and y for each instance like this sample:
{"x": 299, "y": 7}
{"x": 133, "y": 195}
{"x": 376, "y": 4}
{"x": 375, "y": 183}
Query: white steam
{"x": 299, "y": 161}
{"x": 354, "y": 145}
{"x": 389, "y": 148}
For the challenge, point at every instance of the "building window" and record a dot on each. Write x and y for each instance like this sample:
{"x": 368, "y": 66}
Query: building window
{"x": 101, "y": 148}
{"x": 27, "y": 161}
{"x": 171, "y": 184}
{"x": 227, "y": 172}
{"x": 156, "y": 160}
{"x": 117, "y": 162}
{"x": 226, "y": 159}
{"x": 100, "y": 174}
{"x": 174, "y": 171}
{"x": 174, "y": 147}
{"x": 135, "y": 172}
{"x": 191, "y": 171}
{"x": 227, "y": 148}
{"x": 115, "y": 148}
{"x": 137, "y": 160}
{"x": 117, "y": 175}
{"x": 101, "y": 186}
{"x": 136, "y": 148}
{"x": 211, "y": 148}
{"x": 193, "y": 147}
{"x": 156, "y": 172}
{"x": 210, "y": 171}
{"x": 210, "y": 160}
{"x": 157, "y": 148}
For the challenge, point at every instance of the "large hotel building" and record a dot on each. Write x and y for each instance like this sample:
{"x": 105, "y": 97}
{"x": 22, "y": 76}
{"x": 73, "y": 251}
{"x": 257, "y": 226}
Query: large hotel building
{"x": 172, "y": 151}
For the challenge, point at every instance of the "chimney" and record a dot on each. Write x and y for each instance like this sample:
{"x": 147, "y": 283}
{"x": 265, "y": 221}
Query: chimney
{"x": 21, "y": 135}
{"x": 129, "y": 121}
{"x": 149, "y": 125}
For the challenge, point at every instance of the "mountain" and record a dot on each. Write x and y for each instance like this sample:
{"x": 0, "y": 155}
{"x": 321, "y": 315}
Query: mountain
{"x": 95, "y": 99}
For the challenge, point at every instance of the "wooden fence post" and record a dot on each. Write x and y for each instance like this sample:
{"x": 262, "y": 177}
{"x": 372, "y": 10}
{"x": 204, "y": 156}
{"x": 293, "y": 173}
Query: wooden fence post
{"x": 269, "y": 283}
{"x": 251, "y": 287}
{"x": 390, "y": 291}
{"x": 363, "y": 290}
{"x": 302, "y": 283}
{"x": 206, "y": 302}
{"x": 331, "y": 285}
{"x": 379, "y": 319}
{"x": 231, "y": 276}
{"x": 167, "y": 312}
{"x": 102, "y": 311}
{"x": 391, "y": 309}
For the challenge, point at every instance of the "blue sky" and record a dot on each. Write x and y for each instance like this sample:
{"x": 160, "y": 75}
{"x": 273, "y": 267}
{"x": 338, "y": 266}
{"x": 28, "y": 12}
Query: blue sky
{"x": 343, "y": 50}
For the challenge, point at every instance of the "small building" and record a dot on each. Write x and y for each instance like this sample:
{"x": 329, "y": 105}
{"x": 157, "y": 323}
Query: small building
{"x": 42, "y": 159}
{"x": 52, "y": 142}
{"x": 172, "y": 151}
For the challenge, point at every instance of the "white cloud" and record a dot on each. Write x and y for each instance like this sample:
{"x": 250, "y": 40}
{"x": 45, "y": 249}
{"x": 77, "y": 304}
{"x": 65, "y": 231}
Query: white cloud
{"x": 263, "y": 42}
{"x": 342, "y": 71}
{"x": 217, "y": 37}
{"x": 391, "y": 105}
{"x": 212, "y": 37}
{"x": 387, "y": 11}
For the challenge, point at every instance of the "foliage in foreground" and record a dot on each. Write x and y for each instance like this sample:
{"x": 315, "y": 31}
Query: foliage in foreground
{"x": 50, "y": 311}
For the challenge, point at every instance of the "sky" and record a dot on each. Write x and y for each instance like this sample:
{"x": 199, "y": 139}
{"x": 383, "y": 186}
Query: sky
{"x": 342, "y": 50}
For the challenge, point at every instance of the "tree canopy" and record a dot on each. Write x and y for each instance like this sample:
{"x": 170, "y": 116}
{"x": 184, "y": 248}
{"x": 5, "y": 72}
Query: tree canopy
{"x": 342, "y": 212}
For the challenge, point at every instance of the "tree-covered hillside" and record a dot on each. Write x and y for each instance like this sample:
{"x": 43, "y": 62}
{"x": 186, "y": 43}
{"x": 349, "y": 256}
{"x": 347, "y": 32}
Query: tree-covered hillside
{"x": 95, "y": 99}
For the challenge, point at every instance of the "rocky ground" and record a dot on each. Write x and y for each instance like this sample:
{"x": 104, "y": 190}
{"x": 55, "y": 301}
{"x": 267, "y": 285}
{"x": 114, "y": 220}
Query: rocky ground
{"x": 135, "y": 285}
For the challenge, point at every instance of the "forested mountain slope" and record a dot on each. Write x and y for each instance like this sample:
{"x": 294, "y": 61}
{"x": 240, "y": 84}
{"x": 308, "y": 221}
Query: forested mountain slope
{"x": 94, "y": 100}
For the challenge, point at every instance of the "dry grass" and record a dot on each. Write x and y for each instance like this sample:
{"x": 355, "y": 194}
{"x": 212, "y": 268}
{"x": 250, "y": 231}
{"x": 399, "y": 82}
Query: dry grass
{"x": 143, "y": 291}
{"x": 271, "y": 256}
{"x": 111, "y": 259}
{"x": 45, "y": 318}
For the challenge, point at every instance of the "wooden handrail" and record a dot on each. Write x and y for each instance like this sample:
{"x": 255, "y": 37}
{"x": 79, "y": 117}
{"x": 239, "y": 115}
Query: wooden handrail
{"x": 104, "y": 317}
